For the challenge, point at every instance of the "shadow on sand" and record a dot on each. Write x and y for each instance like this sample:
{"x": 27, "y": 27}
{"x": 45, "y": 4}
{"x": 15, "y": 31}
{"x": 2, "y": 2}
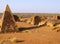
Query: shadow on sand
{"x": 25, "y": 28}
{"x": 18, "y": 41}
{"x": 29, "y": 28}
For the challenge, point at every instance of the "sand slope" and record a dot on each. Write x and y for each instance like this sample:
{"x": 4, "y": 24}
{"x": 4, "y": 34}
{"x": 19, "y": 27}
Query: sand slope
{"x": 41, "y": 35}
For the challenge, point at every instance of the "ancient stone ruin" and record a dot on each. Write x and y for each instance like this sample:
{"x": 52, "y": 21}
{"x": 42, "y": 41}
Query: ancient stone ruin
{"x": 58, "y": 17}
{"x": 8, "y": 22}
{"x": 37, "y": 19}
{"x": 16, "y": 18}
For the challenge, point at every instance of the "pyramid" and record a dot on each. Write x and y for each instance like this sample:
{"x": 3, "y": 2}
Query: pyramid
{"x": 8, "y": 22}
{"x": 37, "y": 19}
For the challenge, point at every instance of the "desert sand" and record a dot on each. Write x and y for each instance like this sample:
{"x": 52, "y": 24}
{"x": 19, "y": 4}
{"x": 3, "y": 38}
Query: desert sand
{"x": 40, "y": 35}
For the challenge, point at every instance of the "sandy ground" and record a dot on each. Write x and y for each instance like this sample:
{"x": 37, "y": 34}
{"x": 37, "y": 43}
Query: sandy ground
{"x": 41, "y": 35}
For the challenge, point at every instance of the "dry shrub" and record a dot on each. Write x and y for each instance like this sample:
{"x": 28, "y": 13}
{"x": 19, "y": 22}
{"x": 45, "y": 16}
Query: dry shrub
{"x": 14, "y": 39}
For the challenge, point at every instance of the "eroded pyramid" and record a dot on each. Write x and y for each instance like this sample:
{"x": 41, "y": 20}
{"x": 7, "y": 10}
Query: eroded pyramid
{"x": 37, "y": 19}
{"x": 8, "y": 22}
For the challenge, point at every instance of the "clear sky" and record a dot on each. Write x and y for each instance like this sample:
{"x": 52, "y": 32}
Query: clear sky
{"x": 31, "y": 6}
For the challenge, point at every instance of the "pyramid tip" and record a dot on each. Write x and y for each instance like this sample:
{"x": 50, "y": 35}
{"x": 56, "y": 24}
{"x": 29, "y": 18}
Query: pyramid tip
{"x": 7, "y": 8}
{"x": 7, "y": 5}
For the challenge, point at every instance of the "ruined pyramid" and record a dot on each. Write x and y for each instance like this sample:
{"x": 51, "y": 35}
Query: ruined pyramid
{"x": 8, "y": 22}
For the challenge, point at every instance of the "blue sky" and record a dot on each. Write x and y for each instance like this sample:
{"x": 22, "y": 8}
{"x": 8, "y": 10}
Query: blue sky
{"x": 31, "y": 6}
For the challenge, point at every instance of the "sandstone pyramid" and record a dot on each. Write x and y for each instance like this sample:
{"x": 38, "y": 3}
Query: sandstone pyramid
{"x": 8, "y": 22}
{"x": 37, "y": 19}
